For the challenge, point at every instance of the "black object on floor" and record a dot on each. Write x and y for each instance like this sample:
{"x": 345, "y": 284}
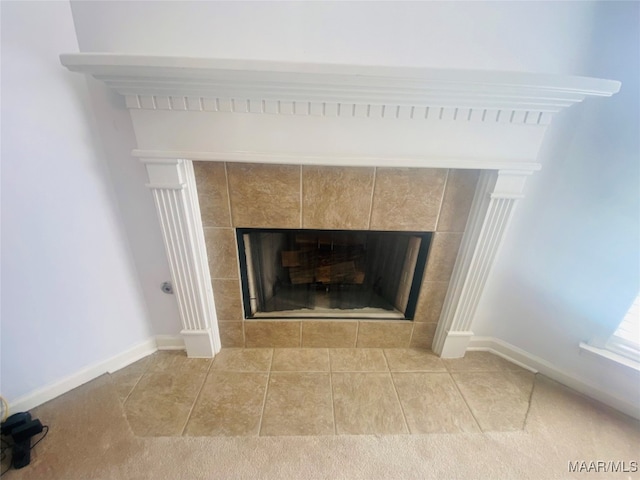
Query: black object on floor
{"x": 21, "y": 428}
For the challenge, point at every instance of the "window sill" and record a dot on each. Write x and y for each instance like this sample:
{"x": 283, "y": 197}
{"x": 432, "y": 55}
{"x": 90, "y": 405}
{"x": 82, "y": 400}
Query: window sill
{"x": 609, "y": 356}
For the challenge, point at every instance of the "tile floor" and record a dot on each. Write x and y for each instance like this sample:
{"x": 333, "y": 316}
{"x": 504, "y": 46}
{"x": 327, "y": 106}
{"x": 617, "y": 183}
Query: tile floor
{"x": 320, "y": 391}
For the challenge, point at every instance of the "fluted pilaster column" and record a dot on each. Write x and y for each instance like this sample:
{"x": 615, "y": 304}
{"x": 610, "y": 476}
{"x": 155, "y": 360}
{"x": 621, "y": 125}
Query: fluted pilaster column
{"x": 172, "y": 183}
{"x": 496, "y": 195}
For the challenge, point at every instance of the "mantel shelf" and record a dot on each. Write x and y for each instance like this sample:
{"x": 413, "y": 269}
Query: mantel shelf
{"x": 247, "y": 81}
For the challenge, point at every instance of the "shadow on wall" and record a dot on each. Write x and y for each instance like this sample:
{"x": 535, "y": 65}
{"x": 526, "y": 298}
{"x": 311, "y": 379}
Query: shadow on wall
{"x": 128, "y": 176}
{"x": 64, "y": 252}
{"x": 569, "y": 268}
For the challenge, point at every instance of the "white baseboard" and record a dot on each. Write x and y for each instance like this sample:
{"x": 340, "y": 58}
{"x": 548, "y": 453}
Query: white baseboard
{"x": 505, "y": 350}
{"x": 536, "y": 364}
{"x": 113, "y": 364}
{"x": 170, "y": 342}
{"x": 49, "y": 392}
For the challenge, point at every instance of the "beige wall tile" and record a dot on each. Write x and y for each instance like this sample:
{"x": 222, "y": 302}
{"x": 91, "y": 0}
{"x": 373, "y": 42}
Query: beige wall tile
{"x": 458, "y": 195}
{"x": 264, "y": 195}
{"x": 336, "y": 197}
{"x": 271, "y": 334}
{"x": 226, "y": 293}
{"x": 221, "y": 251}
{"x": 366, "y": 403}
{"x": 231, "y": 334}
{"x": 443, "y": 252}
{"x": 430, "y": 301}
{"x": 213, "y": 197}
{"x": 498, "y": 400}
{"x": 423, "y": 334}
{"x": 329, "y": 334}
{"x": 357, "y": 360}
{"x": 298, "y": 404}
{"x": 300, "y": 360}
{"x": 432, "y": 404}
{"x": 384, "y": 334}
{"x": 269, "y": 195}
{"x": 407, "y": 198}
{"x": 230, "y": 404}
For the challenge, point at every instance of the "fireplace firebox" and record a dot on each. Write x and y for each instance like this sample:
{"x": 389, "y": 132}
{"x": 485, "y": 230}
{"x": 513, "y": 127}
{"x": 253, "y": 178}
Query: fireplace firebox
{"x": 293, "y": 273}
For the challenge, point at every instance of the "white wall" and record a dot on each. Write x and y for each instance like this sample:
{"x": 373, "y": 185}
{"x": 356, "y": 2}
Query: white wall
{"x": 569, "y": 266}
{"x": 137, "y": 211}
{"x": 70, "y": 294}
{"x": 537, "y": 36}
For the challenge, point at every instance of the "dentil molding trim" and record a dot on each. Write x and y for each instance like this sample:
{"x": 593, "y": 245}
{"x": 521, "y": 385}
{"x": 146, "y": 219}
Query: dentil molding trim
{"x": 279, "y": 88}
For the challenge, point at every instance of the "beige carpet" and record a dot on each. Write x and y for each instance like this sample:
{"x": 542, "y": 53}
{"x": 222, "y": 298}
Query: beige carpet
{"x": 91, "y": 439}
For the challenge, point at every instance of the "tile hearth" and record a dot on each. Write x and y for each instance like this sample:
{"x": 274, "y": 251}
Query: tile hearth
{"x": 320, "y": 391}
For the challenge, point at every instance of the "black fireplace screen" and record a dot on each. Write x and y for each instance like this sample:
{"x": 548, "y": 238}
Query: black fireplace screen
{"x": 331, "y": 274}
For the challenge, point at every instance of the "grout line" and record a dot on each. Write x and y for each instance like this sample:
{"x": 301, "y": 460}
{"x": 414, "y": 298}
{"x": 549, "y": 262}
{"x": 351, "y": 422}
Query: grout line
{"x": 132, "y": 389}
{"x": 526, "y": 416}
{"x": 195, "y": 400}
{"x": 226, "y": 182}
{"x": 123, "y": 408}
{"x": 301, "y": 197}
{"x": 144, "y": 372}
{"x": 291, "y": 371}
{"x": 444, "y": 191}
{"x": 386, "y": 361}
{"x": 235, "y": 241}
{"x": 413, "y": 329}
{"x": 404, "y": 415}
{"x": 233, "y": 370}
{"x": 300, "y": 345}
{"x": 333, "y": 407}
{"x": 330, "y": 364}
{"x": 329, "y": 359}
{"x": 446, "y": 367}
{"x": 372, "y": 371}
{"x": 466, "y": 402}
{"x": 395, "y": 389}
{"x": 373, "y": 189}
{"x": 266, "y": 389}
{"x": 357, "y": 333}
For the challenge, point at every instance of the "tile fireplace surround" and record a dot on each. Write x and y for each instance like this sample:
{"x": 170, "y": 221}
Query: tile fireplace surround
{"x": 333, "y": 198}
{"x": 278, "y": 141}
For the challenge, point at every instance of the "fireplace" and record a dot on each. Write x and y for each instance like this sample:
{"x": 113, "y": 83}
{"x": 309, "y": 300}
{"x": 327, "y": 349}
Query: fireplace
{"x": 235, "y": 198}
{"x": 284, "y": 139}
{"x": 332, "y": 274}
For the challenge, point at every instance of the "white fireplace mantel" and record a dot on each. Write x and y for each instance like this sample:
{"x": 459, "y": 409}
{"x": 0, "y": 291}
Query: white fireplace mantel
{"x": 186, "y": 109}
{"x": 150, "y": 83}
